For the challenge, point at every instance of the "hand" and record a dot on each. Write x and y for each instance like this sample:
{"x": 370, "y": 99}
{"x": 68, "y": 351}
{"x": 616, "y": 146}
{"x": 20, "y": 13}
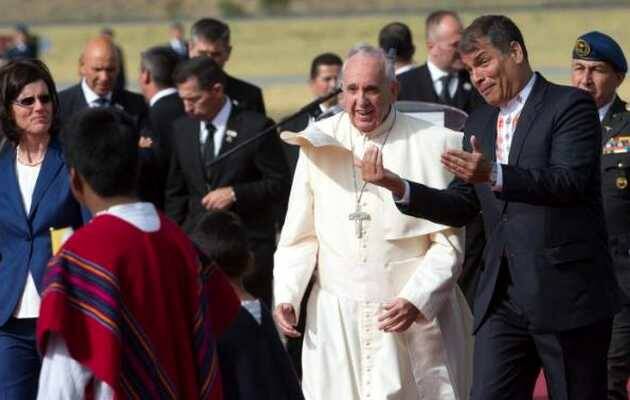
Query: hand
{"x": 372, "y": 171}
{"x": 469, "y": 167}
{"x": 398, "y": 316}
{"x": 219, "y": 199}
{"x": 145, "y": 142}
{"x": 284, "y": 315}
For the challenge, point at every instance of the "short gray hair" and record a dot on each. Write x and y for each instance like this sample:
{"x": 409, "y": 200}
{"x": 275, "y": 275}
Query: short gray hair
{"x": 373, "y": 52}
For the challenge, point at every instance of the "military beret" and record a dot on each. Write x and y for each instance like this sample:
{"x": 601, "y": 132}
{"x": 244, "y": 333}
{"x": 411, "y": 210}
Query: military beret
{"x": 597, "y": 46}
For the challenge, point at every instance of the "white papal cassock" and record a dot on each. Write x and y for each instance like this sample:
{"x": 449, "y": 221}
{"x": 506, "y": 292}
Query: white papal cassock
{"x": 345, "y": 356}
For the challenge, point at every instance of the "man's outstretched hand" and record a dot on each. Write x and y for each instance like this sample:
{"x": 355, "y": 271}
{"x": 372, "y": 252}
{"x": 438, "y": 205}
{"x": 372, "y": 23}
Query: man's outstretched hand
{"x": 471, "y": 167}
{"x": 372, "y": 171}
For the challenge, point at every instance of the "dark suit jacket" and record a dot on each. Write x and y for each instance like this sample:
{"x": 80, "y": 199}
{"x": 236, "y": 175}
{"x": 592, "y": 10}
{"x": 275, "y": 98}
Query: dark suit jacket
{"x": 245, "y": 95}
{"x": 154, "y": 170}
{"x": 417, "y": 85}
{"x": 548, "y": 220}
{"x": 258, "y": 174}
{"x": 72, "y": 100}
{"x": 25, "y": 239}
{"x": 254, "y": 363}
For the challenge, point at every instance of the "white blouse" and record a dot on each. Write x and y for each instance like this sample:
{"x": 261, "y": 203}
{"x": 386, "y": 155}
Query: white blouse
{"x": 28, "y": 306}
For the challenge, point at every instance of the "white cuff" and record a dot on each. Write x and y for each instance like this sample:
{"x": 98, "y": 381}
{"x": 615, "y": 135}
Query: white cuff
{"x": 497, "y": 185}
{"x": 404, "y": 200}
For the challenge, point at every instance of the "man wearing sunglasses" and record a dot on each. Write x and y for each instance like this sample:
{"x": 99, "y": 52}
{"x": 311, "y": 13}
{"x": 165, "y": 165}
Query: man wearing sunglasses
{"x": 99, "y": 67}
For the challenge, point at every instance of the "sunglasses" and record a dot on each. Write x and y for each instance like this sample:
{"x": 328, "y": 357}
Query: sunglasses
{"x": 30, "y": 101}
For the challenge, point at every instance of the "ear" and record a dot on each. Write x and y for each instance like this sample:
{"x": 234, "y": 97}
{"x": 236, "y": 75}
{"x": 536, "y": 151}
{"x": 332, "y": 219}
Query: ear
{"x": 229, "y": 52}
{"x": 394, "y": 88}
{"x": 81, "y": 65}
{"x": 620, "y": 78}
{"x": 516, "y": 52}
{"x": 217, "y": 87}
{"x": 76, "y": 185}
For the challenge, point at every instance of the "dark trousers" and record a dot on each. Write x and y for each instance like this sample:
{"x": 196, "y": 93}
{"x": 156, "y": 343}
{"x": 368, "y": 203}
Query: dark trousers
{"x": 508, "y": 355}
{"x": 259, "y": 281}
{"x": 619, "y": 352}
{"x": 619, "y": 356}
{"x": 19, "y": 361}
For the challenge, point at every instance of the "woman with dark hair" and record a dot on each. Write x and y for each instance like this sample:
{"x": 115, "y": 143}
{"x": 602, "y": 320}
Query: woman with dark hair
{"x": 35, "y": 197}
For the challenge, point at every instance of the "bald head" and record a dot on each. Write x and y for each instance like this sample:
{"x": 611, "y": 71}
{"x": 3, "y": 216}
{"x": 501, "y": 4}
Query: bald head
{"x": 443, "y": 32}
{"x": 98, "y": 65}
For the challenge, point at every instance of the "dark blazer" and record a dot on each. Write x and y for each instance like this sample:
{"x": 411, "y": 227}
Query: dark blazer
{"x": 417, "y": 85}
{"x": 154, "y": 167}
{"x": 245, "y": 95}
{"x": 72, "y": 100}
{"x": 258, "y": 174}
{"x": 254, "y": 363}
{"x": 25, "y": 239}
{"x": 548, "y": 220}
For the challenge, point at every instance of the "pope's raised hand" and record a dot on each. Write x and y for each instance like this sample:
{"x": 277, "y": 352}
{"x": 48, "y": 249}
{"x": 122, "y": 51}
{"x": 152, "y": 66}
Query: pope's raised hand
{"x": 372, "y": 171}
{"x": 471, "y": 167}
{"x": 286, "y": 320}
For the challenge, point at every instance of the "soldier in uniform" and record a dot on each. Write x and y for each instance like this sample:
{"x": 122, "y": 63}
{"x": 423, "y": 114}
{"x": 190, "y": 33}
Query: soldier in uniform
{"x": 599, "y": 67}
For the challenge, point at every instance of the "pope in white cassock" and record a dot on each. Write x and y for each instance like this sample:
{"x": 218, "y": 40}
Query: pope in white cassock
{"x": 385, "y": 319}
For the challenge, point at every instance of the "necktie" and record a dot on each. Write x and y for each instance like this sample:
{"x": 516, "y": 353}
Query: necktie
{"x": 208, "y": 147}
{"x": 445, "y": 93}
{"x": 101, "y": 102}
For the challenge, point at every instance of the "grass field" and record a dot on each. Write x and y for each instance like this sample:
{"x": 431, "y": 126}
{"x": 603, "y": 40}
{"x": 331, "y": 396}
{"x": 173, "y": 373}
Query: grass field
{"x": 279, "y": 50}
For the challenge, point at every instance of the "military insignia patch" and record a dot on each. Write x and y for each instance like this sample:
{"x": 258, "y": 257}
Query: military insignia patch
{"x": 617, "y": 144}
{"x": 582, "y": 48}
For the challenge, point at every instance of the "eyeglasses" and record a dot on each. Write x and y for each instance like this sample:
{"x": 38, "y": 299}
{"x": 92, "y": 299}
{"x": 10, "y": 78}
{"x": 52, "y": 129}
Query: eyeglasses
{"x": 30, "y": 100}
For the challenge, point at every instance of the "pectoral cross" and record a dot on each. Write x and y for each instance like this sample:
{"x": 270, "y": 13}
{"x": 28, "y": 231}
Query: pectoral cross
{"x": 358, "y": 217}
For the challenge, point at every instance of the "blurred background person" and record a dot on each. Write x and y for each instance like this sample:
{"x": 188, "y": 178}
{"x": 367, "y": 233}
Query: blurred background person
{"x": 24, "y": 44}
{"x": 599, "y": 67}
{"x": 99, "y": 69}
{"x": 442, "y": 79}
{"x": 254, "y": 363}
{"x": 178, "y": 42}
{"x": 121, "y": 78}
{"x": 324, "y": 77}
{"x": 157, "y": 65}
{"x": 396, "y": 37}
{"x": 35, "y": 197}
{"x": 211, "y": 37}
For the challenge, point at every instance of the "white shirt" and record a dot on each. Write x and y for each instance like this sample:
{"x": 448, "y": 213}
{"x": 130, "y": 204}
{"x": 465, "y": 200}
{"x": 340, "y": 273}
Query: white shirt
{"x": 437, "y": 74}
{"x": 603, "y": 110}
{"x": 179, "y": 46}
{"x": 91, "y": 97}
{"x": 511, "y": 110}
{"x": 220, "y": 123}
{"x": 404, "y": 68}
{"x": 162, "y": 93}
{"x": 61, "y": 376}
{"x": 28, "y": 306}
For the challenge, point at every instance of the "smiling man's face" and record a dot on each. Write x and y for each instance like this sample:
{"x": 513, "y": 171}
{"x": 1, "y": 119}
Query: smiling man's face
{"x": 367, "y": 94}
{"x": 495, "y": 74}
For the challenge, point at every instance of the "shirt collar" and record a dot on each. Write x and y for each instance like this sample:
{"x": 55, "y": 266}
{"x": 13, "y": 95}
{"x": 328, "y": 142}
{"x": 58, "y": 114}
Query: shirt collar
{"x": 436, "y": 73}
{"x": 603, "y": 110}
{"x": 220, "y": 120}
{"x": 142, "y": 215}
{"x": 162, "y": 93}
{"x": 90, "y": 96}
{"x": 517, "y": 102}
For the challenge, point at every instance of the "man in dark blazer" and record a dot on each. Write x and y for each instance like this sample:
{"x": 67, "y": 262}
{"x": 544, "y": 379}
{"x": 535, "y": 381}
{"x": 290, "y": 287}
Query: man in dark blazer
{"x": 211, "y": 37}
{"x": 443, "y": 30}
{"x": 443, "y": 78}
{"x": 324, "y": 74}
{"x": 599, "y": 67}
{"x": 98, "y": 66}
{"x": 157, "y": 65}
{"x": 250, "y": 182}
{"x": 547, "y": 294}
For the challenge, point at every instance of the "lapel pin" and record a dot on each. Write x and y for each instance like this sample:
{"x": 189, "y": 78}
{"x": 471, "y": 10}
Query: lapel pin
{"x": 230, "y": 136}
{"x": 467, "y": 86}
